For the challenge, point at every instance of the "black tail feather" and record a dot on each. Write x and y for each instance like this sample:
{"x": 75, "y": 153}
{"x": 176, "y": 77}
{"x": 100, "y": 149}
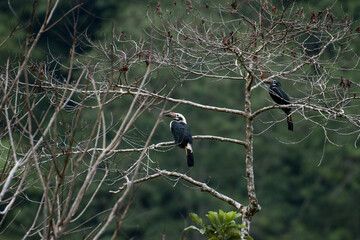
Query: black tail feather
{"x": 290, "y": 123}
{"x": 190, "y": 159}
{"x": 189, "y": 155}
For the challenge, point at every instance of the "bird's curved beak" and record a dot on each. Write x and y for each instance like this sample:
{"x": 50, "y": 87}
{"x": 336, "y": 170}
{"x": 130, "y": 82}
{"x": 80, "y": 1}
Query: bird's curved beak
{"x": 269, "y": 81}
{"x": 170, "y": 114}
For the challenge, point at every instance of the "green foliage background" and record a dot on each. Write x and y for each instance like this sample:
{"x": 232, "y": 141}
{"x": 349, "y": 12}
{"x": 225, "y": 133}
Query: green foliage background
{"x": 308, "y": 189}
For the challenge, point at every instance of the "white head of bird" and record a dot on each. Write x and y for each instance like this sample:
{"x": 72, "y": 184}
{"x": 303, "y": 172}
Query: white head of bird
{"x": 176, "y": 116}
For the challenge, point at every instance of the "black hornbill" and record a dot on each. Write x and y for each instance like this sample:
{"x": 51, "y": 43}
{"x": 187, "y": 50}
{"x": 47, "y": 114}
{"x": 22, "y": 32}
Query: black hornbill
{"x": 182, "y": 135}
{"x": 281, "y": 98}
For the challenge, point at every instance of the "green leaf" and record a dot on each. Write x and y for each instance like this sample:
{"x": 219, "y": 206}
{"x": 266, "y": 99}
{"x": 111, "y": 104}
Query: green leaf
{"x": 197, "y": 219}
{"x": 234, "y": 232}
{"x": 214, "y": 238}
{"x": 233, "y": 224}
{"x": 210, "y": 229}
{"x": 238, "y": 215}
{"x": 230, "y": 216}
{"x": 242, "y": 226}
{"x": 192, "y": 228}
{"x": 213, "y": 217}
{"x": 248, "y": 238}
{"x": 221, "y": 217}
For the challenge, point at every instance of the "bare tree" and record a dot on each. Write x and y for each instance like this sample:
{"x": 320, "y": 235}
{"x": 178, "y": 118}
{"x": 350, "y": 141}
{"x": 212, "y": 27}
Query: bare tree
{"x": 68, "y": 159}
{"x": 256, "y": 42}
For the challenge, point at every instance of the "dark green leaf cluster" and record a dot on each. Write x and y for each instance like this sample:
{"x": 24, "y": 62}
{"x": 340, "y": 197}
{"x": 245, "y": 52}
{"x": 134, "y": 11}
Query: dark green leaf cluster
{"x": 222, "y": 227}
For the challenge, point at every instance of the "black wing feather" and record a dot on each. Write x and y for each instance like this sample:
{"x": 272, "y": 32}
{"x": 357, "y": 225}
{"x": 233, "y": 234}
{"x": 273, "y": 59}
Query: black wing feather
{"x": 181, "y": 133}
{"x": 281, "y": 98}
{"x": 278, "y": 95}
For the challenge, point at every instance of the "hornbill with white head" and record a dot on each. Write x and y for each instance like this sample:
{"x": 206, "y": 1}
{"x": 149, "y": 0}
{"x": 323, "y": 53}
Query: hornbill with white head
{"x": 281, "y": 98}
{"x": 182, "y": 135}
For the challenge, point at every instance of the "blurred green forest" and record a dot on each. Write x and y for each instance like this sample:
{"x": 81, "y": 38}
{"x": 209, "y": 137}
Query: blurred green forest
{"x": 307, "y": 187}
